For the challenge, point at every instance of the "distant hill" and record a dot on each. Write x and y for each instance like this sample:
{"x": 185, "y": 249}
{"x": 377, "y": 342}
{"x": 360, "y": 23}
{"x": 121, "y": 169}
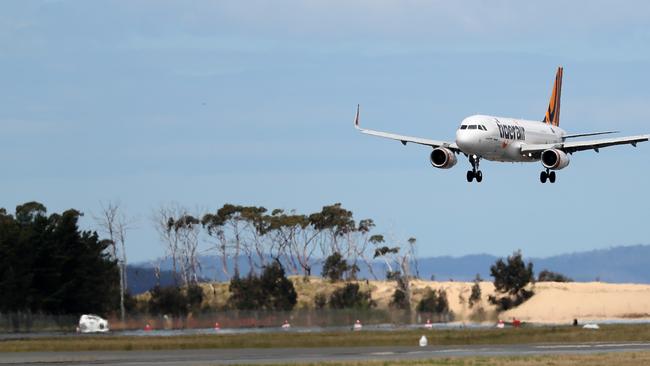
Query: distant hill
{"x": 142, "y": 278}
{"x": 616, "y": 265}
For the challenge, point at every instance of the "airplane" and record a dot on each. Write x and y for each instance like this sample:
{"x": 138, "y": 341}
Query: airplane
{"x": 505, "y": 139}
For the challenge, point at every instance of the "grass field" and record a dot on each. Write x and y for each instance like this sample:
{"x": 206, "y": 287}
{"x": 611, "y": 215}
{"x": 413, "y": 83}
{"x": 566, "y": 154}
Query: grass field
{"x": 618, "y": 359}
{"x": 611, "y": 333}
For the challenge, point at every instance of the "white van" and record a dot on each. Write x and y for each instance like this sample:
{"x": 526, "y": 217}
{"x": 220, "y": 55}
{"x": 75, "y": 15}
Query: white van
{"x": 92, "y": 324}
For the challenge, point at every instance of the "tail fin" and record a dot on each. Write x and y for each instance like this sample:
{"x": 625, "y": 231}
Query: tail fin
{"x": 553, "y": 112}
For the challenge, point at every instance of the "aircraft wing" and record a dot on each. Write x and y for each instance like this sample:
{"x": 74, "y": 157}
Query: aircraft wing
{"x": 405, "y": 139}
{"x": 573, "y": 146}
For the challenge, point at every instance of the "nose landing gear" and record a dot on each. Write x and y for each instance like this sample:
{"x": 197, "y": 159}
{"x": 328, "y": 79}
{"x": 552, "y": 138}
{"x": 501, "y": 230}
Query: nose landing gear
{"x": 547, "y": 175}
{"x": 475, "y": 172}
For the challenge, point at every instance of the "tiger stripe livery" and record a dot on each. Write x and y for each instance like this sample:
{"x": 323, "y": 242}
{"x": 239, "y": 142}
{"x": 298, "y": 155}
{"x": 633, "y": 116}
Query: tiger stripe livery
{"x": 553, "y": 112}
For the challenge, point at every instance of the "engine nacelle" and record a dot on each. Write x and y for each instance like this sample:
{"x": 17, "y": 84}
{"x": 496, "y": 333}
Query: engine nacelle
{"x": 443, "y": 158}
{"x": 555, "y": 159}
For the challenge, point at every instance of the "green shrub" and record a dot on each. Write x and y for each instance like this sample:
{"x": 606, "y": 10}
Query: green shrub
{"x": 436, "y": 303}
{"x": 167, "y": 300}
{"x": 320, "y": 300}
{"x": 510, "y": 281}
{"x": 271, "y": 291}
{"x": 475, "y": 296}
{"x": 350, "y": 296}
{"x": 335, "y": 267}
{"x": 549, "y": 276}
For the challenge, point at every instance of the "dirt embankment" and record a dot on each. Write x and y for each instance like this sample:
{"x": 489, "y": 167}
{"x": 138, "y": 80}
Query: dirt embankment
{"x": 552, "y": 302}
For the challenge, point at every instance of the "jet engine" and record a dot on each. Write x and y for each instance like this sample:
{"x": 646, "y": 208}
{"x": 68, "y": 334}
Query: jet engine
{"x": 443, "y": 158}
{"x": 555, "y": 159}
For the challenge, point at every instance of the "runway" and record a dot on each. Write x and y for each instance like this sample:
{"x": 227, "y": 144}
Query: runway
{"x": 315, "y": 355}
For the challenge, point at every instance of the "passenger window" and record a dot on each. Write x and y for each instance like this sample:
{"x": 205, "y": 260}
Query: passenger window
{"x": 463, "y": 127}
{"x": 472, "y": 127}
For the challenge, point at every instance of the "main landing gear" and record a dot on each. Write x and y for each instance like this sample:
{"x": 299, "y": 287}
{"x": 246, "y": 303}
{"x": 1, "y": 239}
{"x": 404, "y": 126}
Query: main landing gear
{"x": 475, "y": 172}
{"x": 547, "y": 175}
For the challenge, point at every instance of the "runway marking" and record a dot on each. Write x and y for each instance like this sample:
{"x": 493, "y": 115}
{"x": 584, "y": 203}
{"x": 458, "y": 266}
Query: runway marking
{"x": 600, "y": 345}
{"x": 382, "y": 353}
{"x": 450, "y": 350}
{"x": 623, "y": 345}
{"x": 561, "y": 346}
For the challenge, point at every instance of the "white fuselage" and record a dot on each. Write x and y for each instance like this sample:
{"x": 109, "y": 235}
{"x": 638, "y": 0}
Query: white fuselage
{"x": 500, "y": 138}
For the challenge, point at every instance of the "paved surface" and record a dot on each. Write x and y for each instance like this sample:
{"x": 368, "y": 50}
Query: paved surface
{"x": 283, "y": 355}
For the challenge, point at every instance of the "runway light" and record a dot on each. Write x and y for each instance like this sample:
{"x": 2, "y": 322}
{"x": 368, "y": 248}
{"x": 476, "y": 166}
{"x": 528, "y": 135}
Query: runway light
{"x": 423, "y": 341}
{"x": 428, "y": 324}
{"x": 357, "y": 325}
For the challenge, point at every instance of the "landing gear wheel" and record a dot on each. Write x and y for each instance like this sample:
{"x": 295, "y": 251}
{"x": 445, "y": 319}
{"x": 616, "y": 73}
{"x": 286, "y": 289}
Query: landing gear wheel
{"x": 475, "y": 172}
{"x": 542, "y": 177}
{"x": 551, "y": 177}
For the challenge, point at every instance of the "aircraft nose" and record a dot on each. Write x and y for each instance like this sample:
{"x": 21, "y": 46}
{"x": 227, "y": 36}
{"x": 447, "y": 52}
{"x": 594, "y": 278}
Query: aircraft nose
{"x": 468, "y": 141}
{"x": 464, "y": 140}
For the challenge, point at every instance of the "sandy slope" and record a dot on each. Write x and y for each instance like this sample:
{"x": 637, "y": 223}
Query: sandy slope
{"x": 552, "y": 302}
{"x": 562, "y": 302}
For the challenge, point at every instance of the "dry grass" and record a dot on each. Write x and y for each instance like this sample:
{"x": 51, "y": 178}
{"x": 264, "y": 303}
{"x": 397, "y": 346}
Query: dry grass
{"x": 553, "y": 303}
{"x": 608, "y": 359}
{"x": 216, "y": 294}
{"x": 613, "y": 333}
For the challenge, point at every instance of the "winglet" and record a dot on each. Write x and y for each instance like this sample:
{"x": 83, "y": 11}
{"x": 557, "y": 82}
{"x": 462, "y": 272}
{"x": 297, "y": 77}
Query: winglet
{"x": 356, "y": 119}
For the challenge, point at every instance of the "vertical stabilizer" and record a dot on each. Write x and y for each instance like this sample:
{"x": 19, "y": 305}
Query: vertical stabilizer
{"x": 553, "y": 112}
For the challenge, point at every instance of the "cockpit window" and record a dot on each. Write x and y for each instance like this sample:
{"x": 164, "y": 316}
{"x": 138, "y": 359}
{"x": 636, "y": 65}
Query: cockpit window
{"x": 481, "y": 127}
{"x": 472, "y": 127}
{"x": 463, "y": 127}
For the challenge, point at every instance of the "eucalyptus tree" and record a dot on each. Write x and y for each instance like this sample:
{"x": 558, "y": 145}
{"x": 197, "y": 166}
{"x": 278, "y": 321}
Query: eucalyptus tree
{"x": 298, "y": 240}
{"x": 283, "y": 232}
{"x": 277, "y": 240}
{"x": 186, "y": 228}
{"x": 360, "y": 244}
{"x": 255, "y": 232}
{"x": 214, "y": 225}
{"x": 113, "y": 222}
{"x": 162, "y": 218}
{"x": 334, "y": 223}
{"x": 413, "y": 254}
{"x": 238, "y": 229}
{"x": 179, "y": 231}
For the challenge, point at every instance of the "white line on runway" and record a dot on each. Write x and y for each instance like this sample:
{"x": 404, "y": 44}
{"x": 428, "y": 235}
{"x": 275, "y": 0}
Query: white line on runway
{"x": 623, "y": 345}
{"x": 560, "y": 346}
{"x": 599, "y": 345}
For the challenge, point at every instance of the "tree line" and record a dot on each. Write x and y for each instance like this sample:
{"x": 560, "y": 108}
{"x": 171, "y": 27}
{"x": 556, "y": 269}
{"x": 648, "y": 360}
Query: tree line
{"x": 48, "y": 265}
{"x": 261, "y": 236}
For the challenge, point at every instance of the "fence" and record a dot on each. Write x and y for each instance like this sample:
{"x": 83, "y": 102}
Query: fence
{"x": 27, "y": 322}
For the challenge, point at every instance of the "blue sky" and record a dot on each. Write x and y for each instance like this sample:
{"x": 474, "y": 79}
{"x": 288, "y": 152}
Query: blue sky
{"x": 251, "y": 102}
